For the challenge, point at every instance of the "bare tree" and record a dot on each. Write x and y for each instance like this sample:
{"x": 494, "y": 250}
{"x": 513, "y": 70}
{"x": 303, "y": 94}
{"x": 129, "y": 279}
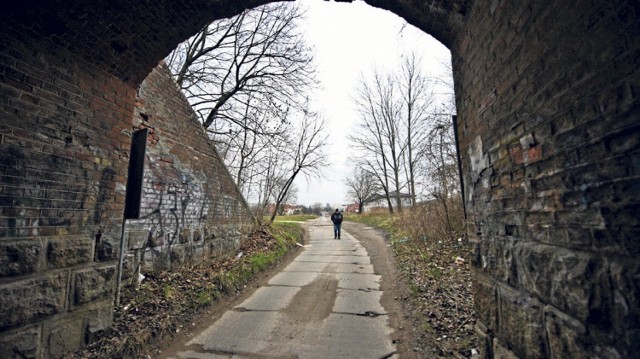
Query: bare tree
{"x": 257, "y": 59}
{"x": 396, "y": 111}
{"x": 441, "y": 160}
{"x": 290, "y": 196}
{"x": 304, "y": 155}
{"x": 245, "y": 151}
{"x": 246, "y": 77}
{"x": 317, "y": 208}
{"x": 362, "y": 186}
{"x": 378, "y": 134}
{"x": 417, "y": 98}
{"x": 267, "y": 183}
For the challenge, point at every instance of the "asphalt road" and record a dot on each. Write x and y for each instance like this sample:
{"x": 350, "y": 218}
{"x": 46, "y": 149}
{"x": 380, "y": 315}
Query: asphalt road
{"x": 324, "y": 304}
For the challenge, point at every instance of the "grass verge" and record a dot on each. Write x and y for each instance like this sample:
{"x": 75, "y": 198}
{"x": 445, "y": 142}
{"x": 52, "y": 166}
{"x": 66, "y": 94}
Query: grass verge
{"x": 295, "y": 218}
{"x": 167, "y": 301}
{"x": 438, "y": 274}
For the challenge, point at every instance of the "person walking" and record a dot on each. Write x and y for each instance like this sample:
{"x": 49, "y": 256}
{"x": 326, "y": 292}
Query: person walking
{"x": 336, "y": 218}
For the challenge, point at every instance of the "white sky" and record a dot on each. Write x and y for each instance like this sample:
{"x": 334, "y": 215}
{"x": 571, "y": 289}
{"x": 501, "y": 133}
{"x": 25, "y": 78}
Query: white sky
{"x": 350, "y": 39}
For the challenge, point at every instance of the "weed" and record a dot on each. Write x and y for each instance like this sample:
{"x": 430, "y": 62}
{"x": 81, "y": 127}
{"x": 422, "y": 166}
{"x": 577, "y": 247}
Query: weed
{"x": 203, "y": 298}
{"x": 295, "y": 218}
{"x": 167, "y": 291}
{"x": 415, "y": 289}
{"x": 423, "y": 256}
{"x": 427, "y": 328}
{"x": 435, "y": 273}
{"x": 260, "y": 261}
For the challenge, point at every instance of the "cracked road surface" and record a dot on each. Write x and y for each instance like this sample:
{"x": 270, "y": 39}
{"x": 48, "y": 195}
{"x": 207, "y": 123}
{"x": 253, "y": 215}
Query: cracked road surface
{"x": 325, "y": 304}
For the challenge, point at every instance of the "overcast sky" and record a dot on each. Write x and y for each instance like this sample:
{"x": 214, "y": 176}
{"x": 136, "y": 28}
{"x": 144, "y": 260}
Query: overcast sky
{"x": 351, "y": 39}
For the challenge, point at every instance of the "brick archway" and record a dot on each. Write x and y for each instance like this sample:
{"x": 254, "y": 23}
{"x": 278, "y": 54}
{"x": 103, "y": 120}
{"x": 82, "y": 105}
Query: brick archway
{"x": 549, "y": 117}
{"x": 133, "y": 36}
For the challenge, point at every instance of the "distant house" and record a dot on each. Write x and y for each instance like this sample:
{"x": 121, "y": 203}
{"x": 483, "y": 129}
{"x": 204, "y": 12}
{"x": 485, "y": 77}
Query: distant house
{"x": 351, "y": 208}
{"x": 379, "y": 202}
{"x": 285, "y": 209}
{"x": 290, "y": 209}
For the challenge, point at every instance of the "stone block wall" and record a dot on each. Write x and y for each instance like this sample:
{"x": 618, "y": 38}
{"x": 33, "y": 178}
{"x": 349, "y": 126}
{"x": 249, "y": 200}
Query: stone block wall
{"x": 548, "y": 100}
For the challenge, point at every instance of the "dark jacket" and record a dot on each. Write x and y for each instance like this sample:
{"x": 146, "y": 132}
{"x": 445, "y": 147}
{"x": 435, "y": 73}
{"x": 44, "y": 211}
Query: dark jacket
{"x": 336, "y": 218}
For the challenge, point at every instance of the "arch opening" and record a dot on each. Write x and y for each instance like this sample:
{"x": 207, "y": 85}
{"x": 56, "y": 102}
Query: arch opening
{"x": 547, "y": 100}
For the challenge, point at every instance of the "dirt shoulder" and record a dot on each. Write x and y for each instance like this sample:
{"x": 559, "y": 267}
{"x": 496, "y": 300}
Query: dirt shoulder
{"x": 428, "y": 285}
{"x": 396, "y": 294}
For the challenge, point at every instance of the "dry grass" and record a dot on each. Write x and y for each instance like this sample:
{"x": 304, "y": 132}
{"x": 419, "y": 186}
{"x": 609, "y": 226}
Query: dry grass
{"x": 435, "y": 261}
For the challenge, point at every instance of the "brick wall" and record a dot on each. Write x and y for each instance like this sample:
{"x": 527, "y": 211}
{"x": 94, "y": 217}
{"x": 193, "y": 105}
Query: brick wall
{"x": 548, "y": 120}
{"x": 64, "y": 145}
{"x": 191, "y": 208}
{"x": 63, "y": 154}
{"x": 549, "y": 105}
